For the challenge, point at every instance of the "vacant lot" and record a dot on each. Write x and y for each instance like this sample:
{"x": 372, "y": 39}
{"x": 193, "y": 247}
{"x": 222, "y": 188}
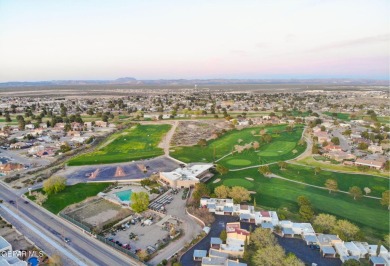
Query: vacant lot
{"x": 283, "y": 146}
{"x": 138, "y": 142}
{"x": 190, "y": 132}
{"x": 97, "y": 213}
{"x": 72, "y": 194}
{"x": 306, "y": 174}
{"x": 275, "y": 193}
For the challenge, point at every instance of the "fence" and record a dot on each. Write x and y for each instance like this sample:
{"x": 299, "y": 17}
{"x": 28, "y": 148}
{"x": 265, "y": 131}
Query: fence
{"x": 116, "y": 246}
{"x": 73, "y": 221}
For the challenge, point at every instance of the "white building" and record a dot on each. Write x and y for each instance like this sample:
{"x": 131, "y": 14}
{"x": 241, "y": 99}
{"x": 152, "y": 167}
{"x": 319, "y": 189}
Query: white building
{"x": 188, "y": 176}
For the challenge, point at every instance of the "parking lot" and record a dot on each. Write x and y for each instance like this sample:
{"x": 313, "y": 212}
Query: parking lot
{"x": 151, "y": 229}
{"x": 129, "y": 171}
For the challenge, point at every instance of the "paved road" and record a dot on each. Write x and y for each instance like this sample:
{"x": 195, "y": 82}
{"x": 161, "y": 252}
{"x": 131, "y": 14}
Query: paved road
{"x": 304, "y": 253}
{"x": 216, "y": 228}
{"x": 166, "y": 141}
{"x": 85, "y": 247}
{"x": 190, "y": 227}
{"x": 343, "y": 141}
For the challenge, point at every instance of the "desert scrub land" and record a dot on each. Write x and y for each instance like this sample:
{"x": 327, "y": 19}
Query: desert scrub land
{"x": 137, "y": 142}
{"x": 282, "y": 146}
{"x": 190, "y": 132}
{"x": 97, "y": 212}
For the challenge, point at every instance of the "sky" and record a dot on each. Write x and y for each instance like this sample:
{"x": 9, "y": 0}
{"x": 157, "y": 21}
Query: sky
{"x": 100, "y": 39}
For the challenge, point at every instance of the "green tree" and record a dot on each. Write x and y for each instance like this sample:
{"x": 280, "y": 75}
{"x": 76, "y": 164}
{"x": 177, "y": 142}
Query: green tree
{"x": 352, "y": 262}
{"x": 139, "y": 201}
{"x": 317, "y": 170}
{"x": 239, "y": 194}
{"x": 223, "y": 235}
{"x": 270, "y": 256}
{"x": 331, "y": 185}
{"x": 266, "y": 138}
{"x": 335, "y": 141}
{"x": 202, "y": 142}
{"x": 54, "y": 184}
{"x": 282, "y": 165}
{"x": 315, "y": 149}
{"x": 222, "y": 170}
{"x": 355, "y": 192}
{"x": 292, "y": 260}
{"x": 324, "y": 223}
{"x": 362, "y": 146}
{"x": 222, "y": 192}
{"x": 201, "y": 190}
{"x": 346, "y": 230}
{"x": 262, "y": 238}
{"x": 302, "y": 200}
{"x": 264, "y": 169}
{"x": 306, "y": 212}
{"x": 385, "y": 200}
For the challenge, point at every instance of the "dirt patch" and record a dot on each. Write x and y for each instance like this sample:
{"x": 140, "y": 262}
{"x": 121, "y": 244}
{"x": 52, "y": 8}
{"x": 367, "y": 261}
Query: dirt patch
{"x": 98, "y": 212}
{"x": 188, "y": 133}
{"x": 17, "y": 241}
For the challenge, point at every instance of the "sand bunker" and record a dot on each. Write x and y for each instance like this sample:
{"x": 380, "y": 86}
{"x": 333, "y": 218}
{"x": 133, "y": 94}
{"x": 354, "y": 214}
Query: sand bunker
{"x": 216, "y": 180}
{"x": 252, "y": 192}
{"x": 249, "y": 178}
{"x": 94, "y": 174}
{"x": 119, "y": 172}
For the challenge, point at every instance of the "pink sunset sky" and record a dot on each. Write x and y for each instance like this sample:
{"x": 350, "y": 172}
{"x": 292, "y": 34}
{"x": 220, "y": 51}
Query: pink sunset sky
{"x": 54, "y": 40}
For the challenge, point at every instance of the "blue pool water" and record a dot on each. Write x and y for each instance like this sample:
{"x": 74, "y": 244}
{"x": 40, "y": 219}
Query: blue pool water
{"x": 124, "y": 195}
{"x": 33, "y": 261}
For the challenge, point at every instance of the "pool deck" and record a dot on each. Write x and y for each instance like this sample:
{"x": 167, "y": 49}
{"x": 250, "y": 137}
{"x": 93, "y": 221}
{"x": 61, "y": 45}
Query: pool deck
{"x": 111, "y": 196}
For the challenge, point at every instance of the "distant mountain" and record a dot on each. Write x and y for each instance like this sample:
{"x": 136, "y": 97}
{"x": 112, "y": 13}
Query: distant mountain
{"x": 172, "y": 82}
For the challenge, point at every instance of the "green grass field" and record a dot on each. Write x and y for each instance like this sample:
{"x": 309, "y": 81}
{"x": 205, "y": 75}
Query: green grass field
{"x": 341, "y": 116}
{"x": 280, "y": 148}
{"x": 310, "y": 161}
{"x": 138, "y": 142}
{"x": 72, "y": 194}
{"x": 345, "y": 181}
{"x": 274, "y": 193}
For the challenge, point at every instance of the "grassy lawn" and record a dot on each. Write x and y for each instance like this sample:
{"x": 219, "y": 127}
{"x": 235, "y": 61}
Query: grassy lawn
{"x": 72, "y": 194}
{"x": 345, "y": 181}
{"x": 341, "y": 116}
{"x": 280, "y": 148}
{"x": 275, "y": 193}
{"x": 138, "y": 142}
{"x": 309, "y": 161}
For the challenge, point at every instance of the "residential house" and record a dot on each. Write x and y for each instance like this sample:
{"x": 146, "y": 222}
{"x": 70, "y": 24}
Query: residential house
{"x": 375, "y": 149}
{"x": 199, "y": 254}
{"x": 322, "y": 137}
{"x": 100, "y": 123}
{"x": 10, "y": 167}
{"x": 370, "y": 163}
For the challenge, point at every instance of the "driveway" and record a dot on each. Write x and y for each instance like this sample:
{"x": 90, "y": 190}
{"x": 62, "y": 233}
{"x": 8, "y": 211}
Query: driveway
{"x": 343, "y": 141}
{"x": 190, "y": 227}
{"x": 304, "y": 253}
{"x": 216, "y": 228}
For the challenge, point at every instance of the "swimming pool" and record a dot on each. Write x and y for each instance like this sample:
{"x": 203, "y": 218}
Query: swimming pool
{"x": 33, "y": 261}
{"x": 124, "y": 195}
